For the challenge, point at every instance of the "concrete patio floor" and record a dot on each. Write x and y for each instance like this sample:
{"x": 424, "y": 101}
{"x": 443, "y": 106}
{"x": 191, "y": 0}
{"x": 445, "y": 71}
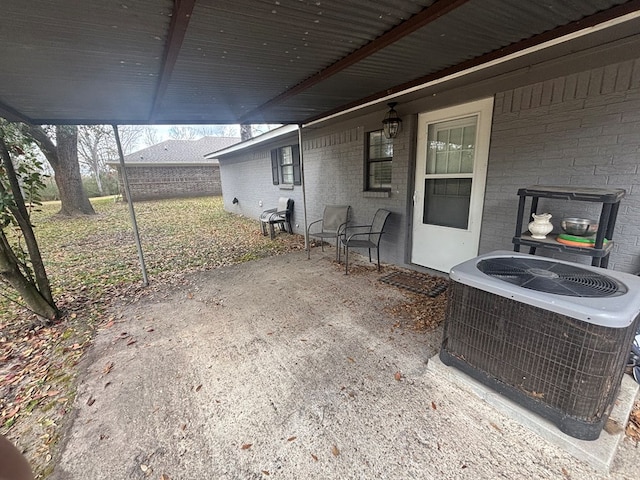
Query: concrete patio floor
{"x": 286, "y": 368}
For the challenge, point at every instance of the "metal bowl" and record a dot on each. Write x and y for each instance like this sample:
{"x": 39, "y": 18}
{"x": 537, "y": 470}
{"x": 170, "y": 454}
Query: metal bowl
{"x": 581, "y": 227}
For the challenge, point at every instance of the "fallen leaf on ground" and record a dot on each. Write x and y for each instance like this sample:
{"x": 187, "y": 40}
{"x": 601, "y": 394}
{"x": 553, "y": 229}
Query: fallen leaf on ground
{"x": 398, "y": 376}
{"x": 335, "y": 451}
{"x": 612, "y": 427}
{"x": 266, "y": 472}
{"x": 164, "y": 476}
{"x": 314, "y": 457}
{"x": 291, "y": 439}
{"x": 433, "y": 405}
{"x": 107, "y": 368}
{"x": 91, "y": 401}
{"x": 144, "y": 467}
{"x": 131, "y": 342}
{"x": 351, "y": 360}
{"x": 246, "y": 446}
{"x": 198, "y": 388}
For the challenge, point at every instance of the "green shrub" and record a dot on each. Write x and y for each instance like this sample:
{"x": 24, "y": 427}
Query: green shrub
{"x": 50, "y": 190}
{"x": 109, "y": 185}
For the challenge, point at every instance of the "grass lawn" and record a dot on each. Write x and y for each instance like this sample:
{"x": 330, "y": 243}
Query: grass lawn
{"x": 92, "y": 261}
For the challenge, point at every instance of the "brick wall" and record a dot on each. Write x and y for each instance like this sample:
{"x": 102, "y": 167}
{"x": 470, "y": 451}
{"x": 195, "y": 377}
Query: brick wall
{"x": 335, "y": 167}
{"x": 581, "y": 129}
{"x": 333, "y": 162}
{"x": 247, "y": 177}
{"x": 148, "y": 182}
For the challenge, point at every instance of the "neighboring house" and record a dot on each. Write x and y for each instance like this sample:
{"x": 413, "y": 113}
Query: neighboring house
{"x": 461, "y": 157}
{"x": 174, "y": 168}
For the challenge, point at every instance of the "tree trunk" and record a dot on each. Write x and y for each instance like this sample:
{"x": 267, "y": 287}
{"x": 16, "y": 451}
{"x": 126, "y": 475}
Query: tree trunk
{"x": 245, "y": 132}
{"x": 96, "y": 172}
{"x": 67, "y": 176}
{"x": 63, "y": 158}
{"x": 10, "y": 272}
{"x": 21, "y": 215}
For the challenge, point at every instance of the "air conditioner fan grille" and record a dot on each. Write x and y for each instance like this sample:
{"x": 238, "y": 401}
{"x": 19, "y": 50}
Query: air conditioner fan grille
{"x": 551, "y": 277}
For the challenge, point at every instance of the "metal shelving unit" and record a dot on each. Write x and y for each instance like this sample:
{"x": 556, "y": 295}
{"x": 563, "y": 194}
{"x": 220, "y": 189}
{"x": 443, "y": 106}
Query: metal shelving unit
{"x": 610, "y": 200}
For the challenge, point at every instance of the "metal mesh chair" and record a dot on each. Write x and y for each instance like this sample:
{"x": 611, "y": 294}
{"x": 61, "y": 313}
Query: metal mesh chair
{"x": 370, "y": 238}
{"x": 332, "y": 223}
{"x": 277, "y": 216}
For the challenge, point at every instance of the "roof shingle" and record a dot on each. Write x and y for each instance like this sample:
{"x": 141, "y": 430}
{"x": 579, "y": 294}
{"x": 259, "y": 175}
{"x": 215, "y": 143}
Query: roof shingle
{"x": 181, "y": 151}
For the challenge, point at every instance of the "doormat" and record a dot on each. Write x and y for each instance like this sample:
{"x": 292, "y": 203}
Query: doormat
{"x": 417, "y": 282}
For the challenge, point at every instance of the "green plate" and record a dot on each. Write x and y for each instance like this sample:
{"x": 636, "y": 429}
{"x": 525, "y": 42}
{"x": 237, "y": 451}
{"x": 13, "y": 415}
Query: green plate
{"x": 575, "y": 238}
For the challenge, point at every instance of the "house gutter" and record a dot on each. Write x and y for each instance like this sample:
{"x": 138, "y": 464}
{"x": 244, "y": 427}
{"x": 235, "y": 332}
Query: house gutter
{"x": 265, "y": 137}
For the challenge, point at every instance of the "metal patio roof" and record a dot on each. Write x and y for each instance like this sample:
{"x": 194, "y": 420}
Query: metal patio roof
{"x": 257, "y": 61}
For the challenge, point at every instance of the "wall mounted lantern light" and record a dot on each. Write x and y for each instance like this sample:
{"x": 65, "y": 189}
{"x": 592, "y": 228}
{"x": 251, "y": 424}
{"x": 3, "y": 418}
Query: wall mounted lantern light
{"x": 391, "y": 122}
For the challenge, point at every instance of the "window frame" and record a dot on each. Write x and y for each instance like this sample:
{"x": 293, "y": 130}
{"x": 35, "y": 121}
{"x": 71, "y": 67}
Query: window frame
{"x": 278, "y": 168}
{"x": 370, "y": 161}
{"x": 286, "y": 179}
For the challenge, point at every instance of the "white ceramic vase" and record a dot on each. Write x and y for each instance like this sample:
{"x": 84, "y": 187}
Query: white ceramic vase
{"x": 540, "y": 226}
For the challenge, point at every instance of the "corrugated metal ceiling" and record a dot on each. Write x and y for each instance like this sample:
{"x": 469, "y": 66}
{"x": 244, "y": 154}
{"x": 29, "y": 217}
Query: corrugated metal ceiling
{"x": 224, "y": 61}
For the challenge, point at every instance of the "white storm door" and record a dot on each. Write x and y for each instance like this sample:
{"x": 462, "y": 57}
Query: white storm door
{"x": 451, "y": 170}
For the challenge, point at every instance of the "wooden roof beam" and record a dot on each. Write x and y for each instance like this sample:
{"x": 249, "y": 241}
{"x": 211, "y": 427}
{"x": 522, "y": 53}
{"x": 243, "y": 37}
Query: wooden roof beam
{"x": 419, "y": 20}
{"x": 180, "y": 18}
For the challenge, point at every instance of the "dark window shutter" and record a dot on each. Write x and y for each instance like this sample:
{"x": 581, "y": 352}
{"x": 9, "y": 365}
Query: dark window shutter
{"x": 275, "y": 167}
{"x": 295, "y": 153}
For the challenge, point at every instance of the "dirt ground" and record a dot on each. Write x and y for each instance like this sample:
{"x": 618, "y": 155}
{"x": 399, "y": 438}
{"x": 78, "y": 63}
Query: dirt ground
{"x": 286, "y": 368}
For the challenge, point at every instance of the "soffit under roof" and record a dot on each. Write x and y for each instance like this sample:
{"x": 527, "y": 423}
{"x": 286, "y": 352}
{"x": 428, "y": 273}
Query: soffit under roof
{"x": 254, "y": 61}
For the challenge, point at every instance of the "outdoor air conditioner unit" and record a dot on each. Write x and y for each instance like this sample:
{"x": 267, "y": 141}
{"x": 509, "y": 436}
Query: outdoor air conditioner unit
{"x": 551, "y": 335}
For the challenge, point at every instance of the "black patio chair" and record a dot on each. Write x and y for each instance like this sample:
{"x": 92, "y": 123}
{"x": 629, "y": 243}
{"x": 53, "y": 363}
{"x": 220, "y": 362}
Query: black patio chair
{"x": 280, "y": 216}
{"x": 370, "y": 238}
{"x": 332, "y": 223}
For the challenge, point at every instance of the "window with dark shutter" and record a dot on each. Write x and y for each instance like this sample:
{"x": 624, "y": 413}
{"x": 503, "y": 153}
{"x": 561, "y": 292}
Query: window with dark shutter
{"x": 285, "y": 166}
{"x": 275, "y": 167}
{"x": 297, "y": 177}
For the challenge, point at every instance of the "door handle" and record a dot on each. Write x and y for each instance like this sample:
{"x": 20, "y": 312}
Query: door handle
{"x": 415, "y": 197}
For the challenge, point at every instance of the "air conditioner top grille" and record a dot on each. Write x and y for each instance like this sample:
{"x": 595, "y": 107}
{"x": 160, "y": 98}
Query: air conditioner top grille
{"x": 551, "y": 277}
{"x": 601, "y": 297}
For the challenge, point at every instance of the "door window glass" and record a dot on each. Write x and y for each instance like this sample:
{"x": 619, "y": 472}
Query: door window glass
{"x": 451, "y": 146}
{"x": 446, "y": 202}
